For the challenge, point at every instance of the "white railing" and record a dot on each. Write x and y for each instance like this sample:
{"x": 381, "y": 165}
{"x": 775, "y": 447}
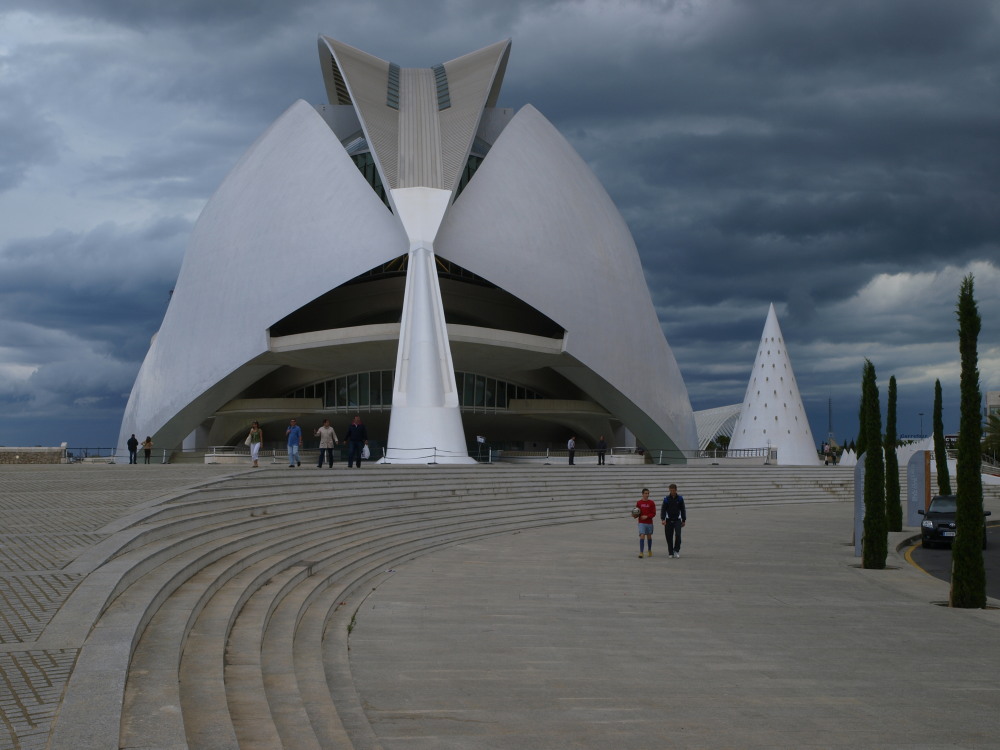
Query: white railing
{"x": 431, "y": 455}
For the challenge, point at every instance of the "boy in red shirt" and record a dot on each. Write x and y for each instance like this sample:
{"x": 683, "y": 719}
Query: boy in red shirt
{"x": 647, "y": 512}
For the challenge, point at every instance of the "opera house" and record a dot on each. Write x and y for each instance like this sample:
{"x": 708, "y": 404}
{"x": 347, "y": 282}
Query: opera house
{"x": 413, "y": 253}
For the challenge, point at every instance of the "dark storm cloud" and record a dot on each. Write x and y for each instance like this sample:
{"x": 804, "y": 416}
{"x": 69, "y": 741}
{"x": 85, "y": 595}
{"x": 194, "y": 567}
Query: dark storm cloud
{"x": 182, "y": 13}
{"x": 786, "y": 32}
{"x": 109, "y": 286}
{"x": 26, "y": 138}
{"x": 794, "y": 155}
{"x": 78, "y": 312}
{"x": 838, "y": 159}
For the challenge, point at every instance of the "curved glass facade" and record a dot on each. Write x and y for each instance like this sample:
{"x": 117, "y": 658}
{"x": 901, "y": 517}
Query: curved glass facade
{"x": 373, "y": 391}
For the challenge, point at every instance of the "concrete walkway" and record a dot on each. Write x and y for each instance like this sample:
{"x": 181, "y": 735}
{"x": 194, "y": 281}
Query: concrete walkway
{"x": 763, "y": 634}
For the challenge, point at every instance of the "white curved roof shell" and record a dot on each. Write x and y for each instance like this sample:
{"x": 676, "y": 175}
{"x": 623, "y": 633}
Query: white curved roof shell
{"x": 296, "y": 219}
{"x": 292, "y": 220}
{"x": 714, "y": 422}
{"x": 537, "y": 222}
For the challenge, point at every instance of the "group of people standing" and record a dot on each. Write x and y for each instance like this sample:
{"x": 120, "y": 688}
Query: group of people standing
{"x": 356, "y": 439}
{"x": 133, "y": 448}
{"x": 673, "y": 518}
{"x": 601, "y": 449}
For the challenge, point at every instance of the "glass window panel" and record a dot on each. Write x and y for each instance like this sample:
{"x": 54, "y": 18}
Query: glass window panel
{"x": 459, "y": 386}
{"x": 502, "y": 394}
{"x": 363, "y": 381}
{"x": 330, "y": 397}
{"x": 491, "y": 390}
{"x": 352, "y": 390}
{"x": 480, "y": 390}
{"x": 388, "y": 379}
{"x": 376, "y": 392}
{"x": 469, "y": 390}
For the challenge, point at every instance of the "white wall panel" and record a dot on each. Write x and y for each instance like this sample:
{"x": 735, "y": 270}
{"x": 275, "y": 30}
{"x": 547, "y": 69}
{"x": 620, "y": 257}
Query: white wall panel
{"x": 292, "y": 220}
{"x": 536, "y": 221}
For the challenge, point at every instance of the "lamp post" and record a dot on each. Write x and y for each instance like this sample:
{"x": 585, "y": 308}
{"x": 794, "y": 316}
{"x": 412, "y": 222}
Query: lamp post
{"x": 921, "y": 424}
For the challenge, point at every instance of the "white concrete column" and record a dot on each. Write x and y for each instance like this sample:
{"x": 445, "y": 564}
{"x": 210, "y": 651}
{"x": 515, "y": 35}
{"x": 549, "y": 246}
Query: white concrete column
{"x": 425, "y": 424}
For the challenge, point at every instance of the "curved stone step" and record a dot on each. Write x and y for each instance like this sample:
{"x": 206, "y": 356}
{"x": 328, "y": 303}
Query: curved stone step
{"x": 174, "y": 558}
{"x": 247, "y": 598}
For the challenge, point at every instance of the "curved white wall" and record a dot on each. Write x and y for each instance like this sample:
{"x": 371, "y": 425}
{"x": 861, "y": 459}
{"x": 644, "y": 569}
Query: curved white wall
{"x": 292, "y": 220}
{"x": 295, "y": 219}
{"x": 535, "y": 221}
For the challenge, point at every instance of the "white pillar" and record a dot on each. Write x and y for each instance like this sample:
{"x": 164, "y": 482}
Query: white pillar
{"x": 425, "y": 424}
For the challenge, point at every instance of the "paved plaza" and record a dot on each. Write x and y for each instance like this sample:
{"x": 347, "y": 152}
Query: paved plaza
{"x": 765, "y": 633}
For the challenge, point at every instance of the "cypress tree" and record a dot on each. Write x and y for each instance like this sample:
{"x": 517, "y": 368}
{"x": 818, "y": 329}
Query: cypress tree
{"x": 875, "y": 544}
{"x": 861, "y": 419}
{"x": 968, "y": 573}
{"x": 940, "y": 450}
{"x": 893, "y": 509}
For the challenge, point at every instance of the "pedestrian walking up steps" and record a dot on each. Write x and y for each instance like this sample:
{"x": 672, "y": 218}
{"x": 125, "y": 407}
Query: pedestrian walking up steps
{"x": 219, "y": 618}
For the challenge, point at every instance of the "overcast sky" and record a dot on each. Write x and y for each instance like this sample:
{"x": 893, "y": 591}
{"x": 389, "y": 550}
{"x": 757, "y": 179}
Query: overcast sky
{"x": 839, "y": 159}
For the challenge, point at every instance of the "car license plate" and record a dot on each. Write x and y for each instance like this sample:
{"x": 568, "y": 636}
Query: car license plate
{"x": 947, "y": 533}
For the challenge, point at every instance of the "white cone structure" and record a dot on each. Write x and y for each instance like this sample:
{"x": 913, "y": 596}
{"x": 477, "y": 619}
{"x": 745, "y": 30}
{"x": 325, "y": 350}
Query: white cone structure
{"x": 772, "y": 413}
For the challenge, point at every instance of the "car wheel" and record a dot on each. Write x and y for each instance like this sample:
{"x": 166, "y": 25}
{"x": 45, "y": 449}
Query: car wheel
{"x": 925, "y": 544}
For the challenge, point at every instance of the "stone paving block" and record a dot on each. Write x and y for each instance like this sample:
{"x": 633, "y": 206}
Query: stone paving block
{"x": 29, "y": 601}
{"x": 31, "y": 686}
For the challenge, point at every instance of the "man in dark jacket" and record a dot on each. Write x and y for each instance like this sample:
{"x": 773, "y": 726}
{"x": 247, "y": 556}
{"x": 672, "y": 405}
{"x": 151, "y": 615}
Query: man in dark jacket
{"x": 673, "y": 516}
{"x": 602, "y": 448}
{"x": 357, "y": 437}
{"x": 133, "y": 448}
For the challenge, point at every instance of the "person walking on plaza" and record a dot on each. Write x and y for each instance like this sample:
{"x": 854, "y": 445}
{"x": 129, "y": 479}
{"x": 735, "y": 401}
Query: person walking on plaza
{"x": 254, "y": 439}
{"x": 327, "y": 439}
{"x": 133, "y": 447}
{"x": 571, "y": 448}
{"x": 602, "y": 448}
{"x": 357, "y": 438}
{"x": 673, "y": 516}
{"x": 294, "y": 435}
{"x": 147, "y": 447}
{"x": 647, "y": 512}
